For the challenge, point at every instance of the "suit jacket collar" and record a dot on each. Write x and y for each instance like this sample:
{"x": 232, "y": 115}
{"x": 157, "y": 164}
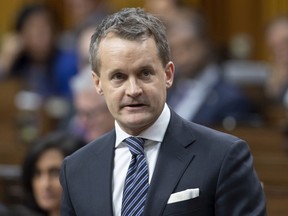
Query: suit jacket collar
{"x": 101, "y": 162}
{"x": 173, "y": 159}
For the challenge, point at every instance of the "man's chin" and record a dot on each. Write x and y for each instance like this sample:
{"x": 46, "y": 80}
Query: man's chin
{"x": 136, "y": 122}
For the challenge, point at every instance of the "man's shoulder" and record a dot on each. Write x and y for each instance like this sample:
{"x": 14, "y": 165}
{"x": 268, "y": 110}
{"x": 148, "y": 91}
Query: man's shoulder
{"x": 201, "y": 130}
{"x": 202, "y": 134}
{"x": 209, "y": 141}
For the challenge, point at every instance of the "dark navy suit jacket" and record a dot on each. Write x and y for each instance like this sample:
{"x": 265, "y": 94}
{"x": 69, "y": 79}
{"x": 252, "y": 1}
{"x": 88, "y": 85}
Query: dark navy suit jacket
{"x": 190, "y": 156}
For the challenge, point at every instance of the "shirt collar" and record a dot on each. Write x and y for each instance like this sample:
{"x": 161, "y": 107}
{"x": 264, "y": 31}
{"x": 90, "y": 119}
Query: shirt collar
{"x": 155, "y": 132}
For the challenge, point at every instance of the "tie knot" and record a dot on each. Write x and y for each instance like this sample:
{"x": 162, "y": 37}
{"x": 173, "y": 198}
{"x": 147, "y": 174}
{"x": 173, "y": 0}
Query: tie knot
{"x": 135, "y": 145}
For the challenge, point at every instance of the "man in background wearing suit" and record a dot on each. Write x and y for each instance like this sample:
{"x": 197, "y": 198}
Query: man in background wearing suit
{"x": 200, "y": 92}
{"x": 182, "y": 168}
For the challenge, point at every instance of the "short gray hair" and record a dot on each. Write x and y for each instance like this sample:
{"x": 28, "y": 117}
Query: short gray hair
{"x": 130, "y": 24}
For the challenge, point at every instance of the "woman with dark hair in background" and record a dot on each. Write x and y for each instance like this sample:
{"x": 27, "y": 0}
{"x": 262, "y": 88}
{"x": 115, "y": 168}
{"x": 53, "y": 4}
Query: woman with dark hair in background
{"x": 31, "y": 56}
{"x": 40, "y": 174}
{"x": 34, "y": 56}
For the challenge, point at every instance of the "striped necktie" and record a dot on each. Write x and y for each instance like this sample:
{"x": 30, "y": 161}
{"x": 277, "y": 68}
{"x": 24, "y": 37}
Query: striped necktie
{"x": 137, "y": 181}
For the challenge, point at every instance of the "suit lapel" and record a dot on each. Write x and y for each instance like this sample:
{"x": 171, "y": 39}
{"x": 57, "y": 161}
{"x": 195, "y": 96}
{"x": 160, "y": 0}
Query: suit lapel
{"x": 173, "y": 159}
{"x": 100, "y": 171}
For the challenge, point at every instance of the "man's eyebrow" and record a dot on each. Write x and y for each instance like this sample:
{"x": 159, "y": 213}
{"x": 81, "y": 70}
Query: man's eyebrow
{"x": 146, "y": 67}
{"x": 114, "y": 71}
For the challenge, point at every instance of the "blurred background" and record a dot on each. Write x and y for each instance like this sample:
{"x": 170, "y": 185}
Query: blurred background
{"x": 234, "y": 52}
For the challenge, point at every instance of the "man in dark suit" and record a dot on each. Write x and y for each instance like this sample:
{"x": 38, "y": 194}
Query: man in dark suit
{"x": 182, "y": 168}
{"x": 200, "y": 93}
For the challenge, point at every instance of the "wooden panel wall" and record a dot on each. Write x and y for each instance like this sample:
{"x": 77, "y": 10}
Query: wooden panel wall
{"x": 228, "y": 18}
{"x": 7, "y": 13}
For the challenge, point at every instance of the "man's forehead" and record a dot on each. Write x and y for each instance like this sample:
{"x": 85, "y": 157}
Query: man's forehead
{"x": 141, "y": 53}
{"x": 113, "y": 44}
{"x": 115, "y": 35}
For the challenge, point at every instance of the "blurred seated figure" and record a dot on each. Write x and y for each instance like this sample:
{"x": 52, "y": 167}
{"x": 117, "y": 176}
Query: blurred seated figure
{"x": 40, "y": 174}
{"x": 31, "y": 54}
{"x": 200, "y": 92}
{"x": 277, "y": 42}
{"x": 92, "y": 118}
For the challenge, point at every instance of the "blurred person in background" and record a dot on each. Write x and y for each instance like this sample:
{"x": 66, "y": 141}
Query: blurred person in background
{"x": 277, "y": 42}
{"x": 40, "y": 174}
{"x": 33, "y": 55}
{"x": 200, "y": 93}
{"x": 92, "y": 117}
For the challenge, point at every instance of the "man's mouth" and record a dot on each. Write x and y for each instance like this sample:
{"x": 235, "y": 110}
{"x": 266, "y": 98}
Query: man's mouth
{"x": 135, "y": 105}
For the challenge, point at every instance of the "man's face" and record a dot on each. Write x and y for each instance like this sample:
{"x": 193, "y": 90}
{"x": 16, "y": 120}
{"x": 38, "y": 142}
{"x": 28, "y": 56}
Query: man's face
{"x": 188, "y": 51}
{"x": 133, "y": 81}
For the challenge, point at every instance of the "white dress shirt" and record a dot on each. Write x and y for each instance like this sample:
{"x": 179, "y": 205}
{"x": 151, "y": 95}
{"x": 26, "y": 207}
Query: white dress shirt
{"x": 154, "y": 136}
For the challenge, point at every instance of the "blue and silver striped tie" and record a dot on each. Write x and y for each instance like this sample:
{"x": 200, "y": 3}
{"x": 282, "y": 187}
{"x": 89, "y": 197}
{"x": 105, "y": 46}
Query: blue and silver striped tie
{"x": 137, "y": 180}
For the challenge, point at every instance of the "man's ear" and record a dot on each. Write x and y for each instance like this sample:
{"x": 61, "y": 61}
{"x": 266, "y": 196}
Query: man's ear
{"x": 97, "y": 83}
{"x": 169, "y": 71}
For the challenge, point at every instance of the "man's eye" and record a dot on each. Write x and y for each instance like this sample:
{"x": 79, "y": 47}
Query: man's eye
{"x": 145, "y": 73}
{"x": 118, "y": 76}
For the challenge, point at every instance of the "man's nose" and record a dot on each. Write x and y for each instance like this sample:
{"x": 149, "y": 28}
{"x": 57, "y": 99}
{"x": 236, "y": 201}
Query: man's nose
{"x": 133, "y": 89}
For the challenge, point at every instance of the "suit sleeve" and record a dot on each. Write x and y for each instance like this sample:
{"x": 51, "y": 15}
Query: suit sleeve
{"x": 239, "y": 191}
{"x": 66, "y": 204}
